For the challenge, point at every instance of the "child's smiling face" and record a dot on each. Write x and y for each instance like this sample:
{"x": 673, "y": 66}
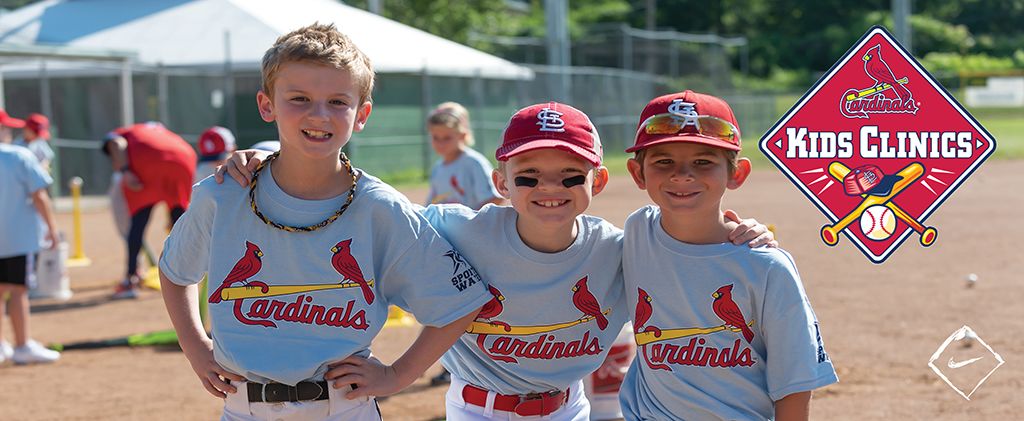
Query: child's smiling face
{"x": 683, "y": 177}
{"x": 542, "y": 188}
{"x": 316, "y": 108}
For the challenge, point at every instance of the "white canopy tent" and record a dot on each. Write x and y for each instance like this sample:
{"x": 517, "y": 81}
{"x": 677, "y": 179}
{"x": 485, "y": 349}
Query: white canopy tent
{"x": 207, "y": 32}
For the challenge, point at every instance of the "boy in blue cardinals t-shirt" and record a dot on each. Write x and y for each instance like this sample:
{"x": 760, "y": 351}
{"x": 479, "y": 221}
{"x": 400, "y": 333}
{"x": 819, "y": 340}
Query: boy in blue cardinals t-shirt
{"x": 304, "y": 262}
{"x": 722, "y": 332}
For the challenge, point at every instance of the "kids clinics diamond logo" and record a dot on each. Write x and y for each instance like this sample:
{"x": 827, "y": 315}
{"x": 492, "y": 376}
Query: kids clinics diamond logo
{"x": 877, "y": 145}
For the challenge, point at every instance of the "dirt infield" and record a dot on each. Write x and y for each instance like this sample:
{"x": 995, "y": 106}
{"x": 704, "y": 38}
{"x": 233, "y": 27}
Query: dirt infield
{"x": 880, "y": 324}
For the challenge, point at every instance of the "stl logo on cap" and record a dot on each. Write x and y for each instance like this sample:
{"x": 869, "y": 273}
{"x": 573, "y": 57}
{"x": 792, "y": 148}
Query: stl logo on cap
{"x": 684, "y": 109}
{"x": 561, "y": 127}
{"x": 897, "y": 146}
{"x": 550, "y": 120}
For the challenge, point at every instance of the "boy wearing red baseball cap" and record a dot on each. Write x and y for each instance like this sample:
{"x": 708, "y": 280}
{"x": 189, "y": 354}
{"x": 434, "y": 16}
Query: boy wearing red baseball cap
{"x": 35, "y": 135}
{"x": 6, "y": 124}
{"x": 214, "y": 146}
{"x": 722, "y": 332}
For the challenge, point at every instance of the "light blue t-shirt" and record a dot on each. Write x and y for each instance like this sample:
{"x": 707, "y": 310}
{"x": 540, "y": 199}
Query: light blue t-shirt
{"x": 20, "y": 176}
{"x": 40, "y": 148}
{"x": 693, "y": 360}
{"x": 329, "y": 289}
{"x": 552, "y": 339}
{"x": 466, "y": 180}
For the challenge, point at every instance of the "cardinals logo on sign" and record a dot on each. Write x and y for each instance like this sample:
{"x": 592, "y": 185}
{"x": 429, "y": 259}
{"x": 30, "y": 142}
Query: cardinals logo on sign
{"x": 882, "y": 162}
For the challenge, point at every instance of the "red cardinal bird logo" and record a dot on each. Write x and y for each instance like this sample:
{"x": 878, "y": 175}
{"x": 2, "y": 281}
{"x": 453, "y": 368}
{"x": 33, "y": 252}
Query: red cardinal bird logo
{"x": 643, "y": 314}
{"x": 493, "y": 308}
{"x": 488, "y": 312}
{"x": 246, "y": 267}
{"x": 727, "y": 310}
{"x": 585, "y": 302}
{"x": 347, "y": 266}
{"x": 455, "y": 185}
{"x": 880, "y": 72}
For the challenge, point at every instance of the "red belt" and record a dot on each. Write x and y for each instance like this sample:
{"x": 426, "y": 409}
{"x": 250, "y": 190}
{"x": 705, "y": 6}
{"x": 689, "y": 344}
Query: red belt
{"x": 533, "y": 404}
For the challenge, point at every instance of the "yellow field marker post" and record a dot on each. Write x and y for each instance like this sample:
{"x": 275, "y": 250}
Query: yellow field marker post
{"x": 77, "y": 259}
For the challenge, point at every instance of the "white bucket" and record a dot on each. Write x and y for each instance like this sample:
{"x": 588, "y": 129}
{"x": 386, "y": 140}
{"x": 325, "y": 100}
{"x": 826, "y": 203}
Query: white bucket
{"x": 602, "y": 386}
{"x": 52, "y": 274}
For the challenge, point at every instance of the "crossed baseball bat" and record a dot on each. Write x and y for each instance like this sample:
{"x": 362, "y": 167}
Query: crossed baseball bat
{"x": 910, "y": 174}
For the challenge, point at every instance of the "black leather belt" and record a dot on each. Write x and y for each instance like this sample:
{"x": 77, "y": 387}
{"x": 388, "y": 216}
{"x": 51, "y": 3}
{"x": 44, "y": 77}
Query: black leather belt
{"x": 280, "y": 392}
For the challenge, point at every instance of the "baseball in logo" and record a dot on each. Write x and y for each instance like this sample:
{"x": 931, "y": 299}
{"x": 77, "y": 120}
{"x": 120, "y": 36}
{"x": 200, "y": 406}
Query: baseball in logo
{"x": 883, "y": 160}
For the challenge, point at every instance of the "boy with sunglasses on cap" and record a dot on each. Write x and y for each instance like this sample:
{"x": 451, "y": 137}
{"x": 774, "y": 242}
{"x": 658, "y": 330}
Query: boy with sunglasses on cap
{"x": 555, "y": 274}
{"x": 723, "y": 332}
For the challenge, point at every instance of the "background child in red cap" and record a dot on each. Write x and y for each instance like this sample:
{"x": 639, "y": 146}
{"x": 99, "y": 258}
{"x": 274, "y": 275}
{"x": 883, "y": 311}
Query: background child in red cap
{"x": 214, "y": 146}
{"x": 723, "y": 332}
{"x": 7, "y": 123}
{"x": 35, "y": 136}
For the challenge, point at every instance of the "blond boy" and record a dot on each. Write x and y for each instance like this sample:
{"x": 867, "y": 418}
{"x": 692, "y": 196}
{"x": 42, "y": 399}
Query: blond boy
{"x": 304, "y": 261}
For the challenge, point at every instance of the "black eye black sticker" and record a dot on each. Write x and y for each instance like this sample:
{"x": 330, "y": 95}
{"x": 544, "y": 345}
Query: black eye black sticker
{"x": 574, "y": 181}
{"x": 526, "y": 181}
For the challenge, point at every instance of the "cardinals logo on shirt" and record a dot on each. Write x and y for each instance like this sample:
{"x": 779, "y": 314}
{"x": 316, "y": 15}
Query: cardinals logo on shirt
{"x": 508, "y": 345}
{"x": 698, "y": 351}
{"x": 266, "y": 311}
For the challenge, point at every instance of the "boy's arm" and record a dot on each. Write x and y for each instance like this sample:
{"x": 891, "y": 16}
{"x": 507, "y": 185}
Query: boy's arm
{"x": 794, "y": 407}
{"x": 41, "y": 201}
{"x": 373, "y": 378}
{"x": 197, "y": 346}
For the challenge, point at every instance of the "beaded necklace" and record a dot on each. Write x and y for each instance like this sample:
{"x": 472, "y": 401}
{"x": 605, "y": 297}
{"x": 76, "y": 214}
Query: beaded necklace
{"x": 310, "y": 228}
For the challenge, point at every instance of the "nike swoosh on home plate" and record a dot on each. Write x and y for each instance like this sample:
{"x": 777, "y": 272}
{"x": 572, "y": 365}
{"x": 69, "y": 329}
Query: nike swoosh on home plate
{"x": 959, "y": 364}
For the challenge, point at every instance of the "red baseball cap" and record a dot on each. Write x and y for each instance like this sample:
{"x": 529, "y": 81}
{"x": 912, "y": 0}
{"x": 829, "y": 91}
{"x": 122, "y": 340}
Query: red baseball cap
{"x": 551, "y": 125}
{"x": 39, "y": 124}
{"x": 215, "y": 141}
{"x": 7, "y": 121}
{"x": 687, "y": 117}
{"x": 869, "y": 179}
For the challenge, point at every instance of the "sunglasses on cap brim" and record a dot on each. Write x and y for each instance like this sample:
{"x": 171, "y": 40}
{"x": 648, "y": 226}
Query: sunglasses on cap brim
{"x": 704, "y": 125}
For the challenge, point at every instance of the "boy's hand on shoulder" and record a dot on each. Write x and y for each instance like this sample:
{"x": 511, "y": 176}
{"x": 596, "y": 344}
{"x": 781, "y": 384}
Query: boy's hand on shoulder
{"x": 241, "y": 166}
{"x": 367, "y": 376}
{"x": 749, "y": 231}
{"x": 214, "y": 377}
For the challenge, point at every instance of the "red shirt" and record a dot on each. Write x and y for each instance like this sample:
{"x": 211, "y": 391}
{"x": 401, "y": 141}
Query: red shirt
{"x": 164, "y": 162}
